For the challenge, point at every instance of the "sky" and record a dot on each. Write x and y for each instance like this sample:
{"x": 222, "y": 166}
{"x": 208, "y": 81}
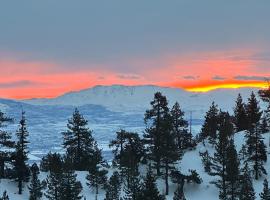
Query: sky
{"x": 48, "y": 48}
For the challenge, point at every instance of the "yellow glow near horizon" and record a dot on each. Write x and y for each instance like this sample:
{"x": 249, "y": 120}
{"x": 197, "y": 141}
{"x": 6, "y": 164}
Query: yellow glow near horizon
{"x": 227, "y": 86}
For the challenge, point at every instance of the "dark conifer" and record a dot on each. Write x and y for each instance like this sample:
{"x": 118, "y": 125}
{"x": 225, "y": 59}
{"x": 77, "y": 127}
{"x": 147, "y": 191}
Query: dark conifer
{"x": 256, "y": 151}
{"x": 70, "y": 188}
{"x": 21, "y": 167}
{"x": 97, "y": 173}
{"x": 149, "y": 189}
{"x": 133, "y": 189}
{"x": 113, "y": 188}
{"x": 78, "y": 141}
{"x": 54, "y": 181}
{"x": 206, "y": 160}
{"x": 253, "y": 112}
{"x": 210, "y": 126}
{"x": 35, "y": 187}
{"x": 128, "y": 152}
{"x": 232, "y": 172}
{"x": 246, "y": 185}
{"x": 155, "y": 118}
{"x": 240, "y": 114}
{"x": 5, "y": 143}
{"x": 169, "y": 152}
{"x": 265, "y": 195}
{"x": 219, "y": 161}
{"x": 180, "y": 128}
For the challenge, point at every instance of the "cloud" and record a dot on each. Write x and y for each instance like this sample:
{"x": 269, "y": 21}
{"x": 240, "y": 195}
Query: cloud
{"x": 19, "y": 84}
{"x": 128, "y": 76}
{"x": 189, "y": 77}
{"x": 218, "y": 78}
{"x": 254, "y": 78}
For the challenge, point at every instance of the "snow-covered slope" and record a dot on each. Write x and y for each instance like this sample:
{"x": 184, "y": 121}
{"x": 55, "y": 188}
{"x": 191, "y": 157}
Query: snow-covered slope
{"x": 137, "y": 98}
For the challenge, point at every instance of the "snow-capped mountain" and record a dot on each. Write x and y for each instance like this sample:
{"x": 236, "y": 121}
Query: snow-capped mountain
{"x": 137, "y": 98}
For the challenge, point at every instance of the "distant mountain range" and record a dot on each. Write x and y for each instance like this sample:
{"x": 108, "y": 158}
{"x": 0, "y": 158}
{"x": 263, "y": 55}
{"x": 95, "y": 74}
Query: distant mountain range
{"x": 137, "y": 98}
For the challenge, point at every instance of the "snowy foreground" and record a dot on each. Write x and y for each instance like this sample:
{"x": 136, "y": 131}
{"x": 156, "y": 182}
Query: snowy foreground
{"x": 191, "y": 160}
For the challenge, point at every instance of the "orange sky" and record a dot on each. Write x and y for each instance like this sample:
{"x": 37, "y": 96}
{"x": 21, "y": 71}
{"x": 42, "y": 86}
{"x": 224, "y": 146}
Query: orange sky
{"x": 195, "y": 72}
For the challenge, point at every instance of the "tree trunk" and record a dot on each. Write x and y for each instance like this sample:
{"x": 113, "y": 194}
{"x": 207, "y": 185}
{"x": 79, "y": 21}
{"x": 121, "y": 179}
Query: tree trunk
{"x": 166, "y": 178}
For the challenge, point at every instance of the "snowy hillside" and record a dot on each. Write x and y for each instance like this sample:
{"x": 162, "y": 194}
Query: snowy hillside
{"x": 191, "y": 160}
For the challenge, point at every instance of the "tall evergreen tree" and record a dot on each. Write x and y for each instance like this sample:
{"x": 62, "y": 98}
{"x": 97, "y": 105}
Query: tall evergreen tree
{"x": 232, "y": 172}
{"x": 54, "y": 183}
{"x": 97, "y": 173}
{"x": 128, "y": 152}
{"x": 5, "y": 143}
{"x": 133, "y": 189}
{"x": 219, "y": 161}
{"x": 21, "y": 167}
{"x": 149, "y": 189}
{"x": 265, "y": 195}
{"x": 70, "y": 187}
{"x": 180, "y": 128}
{"x": 35, "y": 187}
{"x": 78, "y": 141}
{"x": 240, "y": 114}
{"x": 169, "y": 152}
{"x": 253, "y": 112}
{"x": 210, "y": 126}
{"x": 265, "y": 96}
{"x": 155, "y": 118}
{"x": 113, "y": 188}
{"x": 246, "y": 185}
{"x": 256, "y": 151}
{"x": 264, "y": 126}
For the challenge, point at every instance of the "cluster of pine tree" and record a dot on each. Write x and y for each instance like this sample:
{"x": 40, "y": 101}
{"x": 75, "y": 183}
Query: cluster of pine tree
{"x": 219, "y": 130}
{"x": 139, "y": 161}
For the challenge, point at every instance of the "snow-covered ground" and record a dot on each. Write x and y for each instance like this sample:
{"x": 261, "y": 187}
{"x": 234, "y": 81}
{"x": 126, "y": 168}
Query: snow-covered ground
{"x": 191, "y": 160}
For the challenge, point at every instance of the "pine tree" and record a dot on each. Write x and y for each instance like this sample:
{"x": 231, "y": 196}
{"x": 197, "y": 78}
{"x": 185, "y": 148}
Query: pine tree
{"x": 149, "y": 189}
{"x": 253, "y": 112}
{"x": 265, "y": 96}
{"x": 232, "y": 172}
{"x": 113, "y": 188}
{"x": 240, "y": 114}
{"x": 97, "y": 173}
{"x": 265, "y": 195}
{"x": 70, "y": 188}
{"x": 35, "y": 187}
{"x": 179, "y": 193}
{"x": 206, "y": 160}
{"x": 54, "y": 183}
{"x": 219, "y": 161}
{"x": 128, "y": 152}
{"x": 133, "y": 189}
{"x": 155, "y": 118}
{"x": 256, "y": 151}
{"x": 78, "y": 141}
{"x": 169, "y": 152}
{"x": 246, "y": 186}
{"x": 179, "y": 128}
{"x": 5, "y": 196}
{"x": 5, "y": 143}
{"x": 264, "y": 127}
{"x": 51, "y": 162}
{"x": 210, "y": 126}
{"x": 21, "y": 168}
